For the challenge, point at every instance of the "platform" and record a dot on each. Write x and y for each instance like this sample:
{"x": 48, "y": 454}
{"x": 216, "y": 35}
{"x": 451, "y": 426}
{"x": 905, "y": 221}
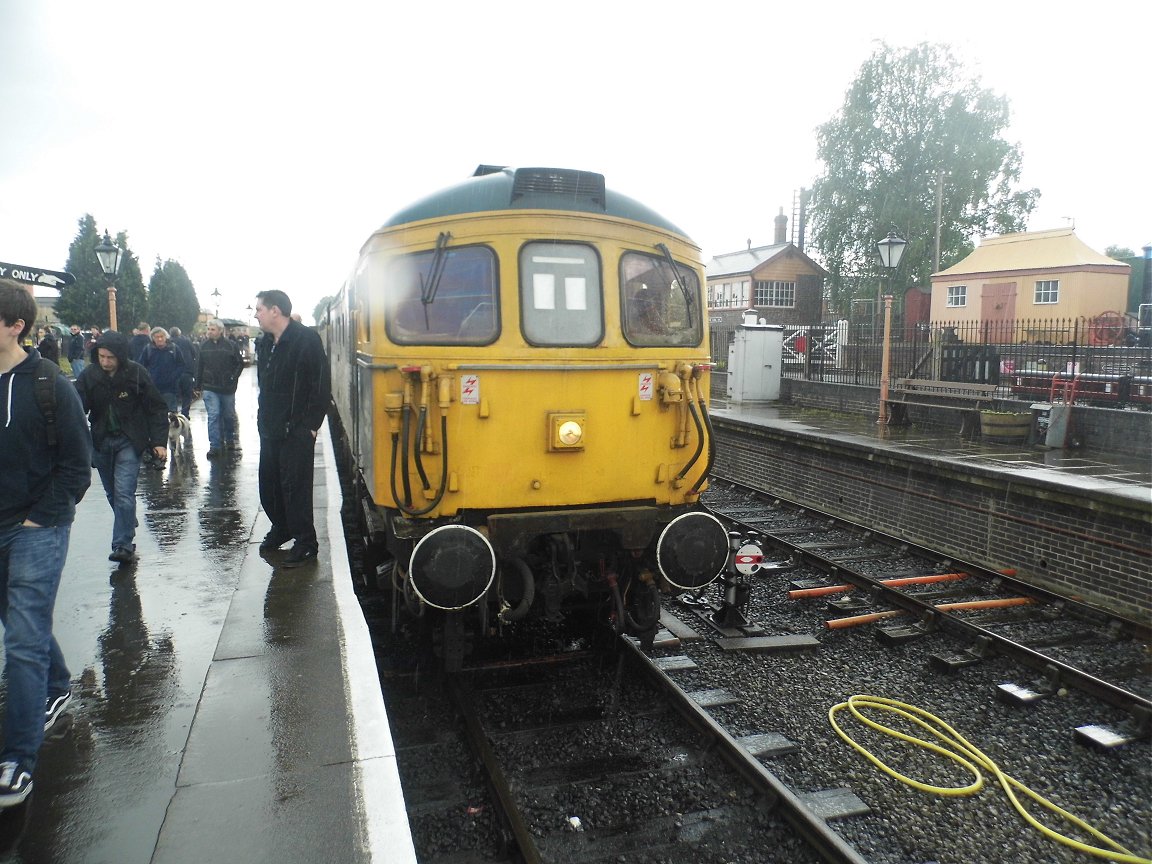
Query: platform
{"x": 226, "y": 708}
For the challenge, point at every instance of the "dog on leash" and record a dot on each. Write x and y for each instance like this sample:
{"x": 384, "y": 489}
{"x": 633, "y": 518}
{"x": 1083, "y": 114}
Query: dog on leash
{"x": 179, "y": 434}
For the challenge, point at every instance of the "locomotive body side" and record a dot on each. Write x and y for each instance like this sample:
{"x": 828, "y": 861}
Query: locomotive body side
{"x": 525, "y": 384}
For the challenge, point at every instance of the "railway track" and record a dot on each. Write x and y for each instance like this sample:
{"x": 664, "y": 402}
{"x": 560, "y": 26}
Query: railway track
{"x": 585, "y": 756}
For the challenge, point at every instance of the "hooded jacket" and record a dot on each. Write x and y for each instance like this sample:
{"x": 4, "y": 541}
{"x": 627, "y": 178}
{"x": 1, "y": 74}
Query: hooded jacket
{"x": 38, "y": 482}
{"x": 124, "y": 403}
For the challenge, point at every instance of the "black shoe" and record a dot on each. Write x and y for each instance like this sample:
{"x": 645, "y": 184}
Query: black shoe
{"x": 273, "y": 540}
{"x": 212, "y": 454}
{"x": 55, "y": 707}
{"x": 300, "y": 555}
{"x": 123, "y": 554}
{"x": 15, "y": 784}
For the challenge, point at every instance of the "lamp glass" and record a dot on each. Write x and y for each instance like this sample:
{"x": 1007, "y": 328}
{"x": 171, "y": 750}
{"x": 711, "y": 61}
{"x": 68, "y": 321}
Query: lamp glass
{"x": 891, "y": 249}
{"x": 108, "y": 255}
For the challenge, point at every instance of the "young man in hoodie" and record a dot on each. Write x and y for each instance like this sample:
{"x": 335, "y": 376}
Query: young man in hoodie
{"x": 40, "y": 484}
{"x": 128, "y": 416}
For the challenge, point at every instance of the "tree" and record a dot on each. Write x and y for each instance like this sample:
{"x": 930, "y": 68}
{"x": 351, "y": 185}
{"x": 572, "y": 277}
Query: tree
{"x": 172, "y": 297}
{"x": 912, "y": 127}
{"x": 1120, "y": 253}
{"x": 85, "y": 302}
{"x": 320, "y": 311}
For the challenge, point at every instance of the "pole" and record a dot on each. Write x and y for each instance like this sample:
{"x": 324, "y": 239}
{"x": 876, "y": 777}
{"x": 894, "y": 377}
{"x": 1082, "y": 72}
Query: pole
{"x": 111, "y": 304}
{"x": 884, "y": 361}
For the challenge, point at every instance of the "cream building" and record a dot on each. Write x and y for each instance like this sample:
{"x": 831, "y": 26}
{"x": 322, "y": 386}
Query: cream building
{"x": 1033, "y": 276}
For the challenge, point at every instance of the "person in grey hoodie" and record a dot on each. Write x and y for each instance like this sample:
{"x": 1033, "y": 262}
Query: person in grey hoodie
{"x": 45, "y": 468}
{"x": 128, "y": 416}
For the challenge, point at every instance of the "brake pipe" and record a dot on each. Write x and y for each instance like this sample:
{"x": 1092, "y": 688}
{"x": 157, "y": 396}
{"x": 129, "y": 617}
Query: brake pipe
{"x": 824, "y": 590}
{"x": 968, "y": 605}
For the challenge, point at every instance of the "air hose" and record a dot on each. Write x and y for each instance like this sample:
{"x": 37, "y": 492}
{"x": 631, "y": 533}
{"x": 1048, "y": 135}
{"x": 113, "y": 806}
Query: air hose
{"x": 968, "y": 756}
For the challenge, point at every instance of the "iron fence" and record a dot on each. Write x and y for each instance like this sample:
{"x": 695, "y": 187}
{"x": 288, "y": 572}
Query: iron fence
{"x": 1106, "y": 364}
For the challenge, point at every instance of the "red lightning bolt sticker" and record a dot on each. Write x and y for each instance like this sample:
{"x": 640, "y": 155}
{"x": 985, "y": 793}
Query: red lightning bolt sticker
{"x": 470, "y": 389}
{"x": 646, "y": 386}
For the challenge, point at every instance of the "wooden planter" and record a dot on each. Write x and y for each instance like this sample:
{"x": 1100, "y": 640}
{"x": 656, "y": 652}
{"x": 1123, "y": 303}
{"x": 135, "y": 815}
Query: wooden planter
{"x": 1001, "y": 427}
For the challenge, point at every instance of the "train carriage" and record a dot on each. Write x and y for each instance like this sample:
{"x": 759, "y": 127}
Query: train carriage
{"x": 521, "y": 371}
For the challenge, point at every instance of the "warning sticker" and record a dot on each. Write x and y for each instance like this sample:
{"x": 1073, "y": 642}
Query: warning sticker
{"x": 647, "y": 379}
{"x": 470, "y": 389}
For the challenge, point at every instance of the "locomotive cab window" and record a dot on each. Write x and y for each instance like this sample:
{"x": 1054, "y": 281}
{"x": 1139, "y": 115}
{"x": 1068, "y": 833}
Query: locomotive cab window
{"x": 445, "y": 296}
{"x": 560, "y": 298}
{"x": 659, "y": 308}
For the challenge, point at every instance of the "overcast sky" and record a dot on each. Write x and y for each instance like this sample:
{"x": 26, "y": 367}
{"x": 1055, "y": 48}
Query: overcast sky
{"x": 260, "y": 143}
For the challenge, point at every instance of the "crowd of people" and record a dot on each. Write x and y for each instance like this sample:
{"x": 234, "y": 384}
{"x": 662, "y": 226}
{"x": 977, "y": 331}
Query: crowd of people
{"x": 105, "y": 400}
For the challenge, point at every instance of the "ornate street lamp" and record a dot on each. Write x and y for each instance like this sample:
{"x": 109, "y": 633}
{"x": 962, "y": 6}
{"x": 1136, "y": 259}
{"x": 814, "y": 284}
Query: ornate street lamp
{"x": 216, "y": 294}
{"x": 109, "y": 254}
{"x": 891, "y": 250}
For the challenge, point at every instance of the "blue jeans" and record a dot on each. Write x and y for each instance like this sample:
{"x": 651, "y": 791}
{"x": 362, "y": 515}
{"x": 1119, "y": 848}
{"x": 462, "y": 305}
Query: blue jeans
{"x": 30, "y": 563}
{"x": 221, "y": 408}
{"x": 172, "y": 400}
{"x": 77, "y": 367}
{"x": 119, "y": 466}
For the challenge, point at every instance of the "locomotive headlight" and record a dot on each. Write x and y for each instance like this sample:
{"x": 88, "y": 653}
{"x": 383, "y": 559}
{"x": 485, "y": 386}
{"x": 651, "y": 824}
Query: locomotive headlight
{"x": 566, "y": 431}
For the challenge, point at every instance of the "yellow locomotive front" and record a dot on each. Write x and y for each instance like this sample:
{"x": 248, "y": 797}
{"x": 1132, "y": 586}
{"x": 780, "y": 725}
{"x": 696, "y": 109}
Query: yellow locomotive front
{"x": 531, "y": 387}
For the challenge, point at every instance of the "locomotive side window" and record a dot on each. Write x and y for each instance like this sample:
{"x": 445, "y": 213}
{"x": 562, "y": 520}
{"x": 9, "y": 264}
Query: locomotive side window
{"x": 659, "y": 308}
{"x": 445, "y": 296}
{"x": 560, "y": 298}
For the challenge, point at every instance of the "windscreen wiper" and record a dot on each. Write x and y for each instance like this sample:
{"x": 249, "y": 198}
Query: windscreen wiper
{"x": 429, "y": 287}
{"x": 678, "y": 281}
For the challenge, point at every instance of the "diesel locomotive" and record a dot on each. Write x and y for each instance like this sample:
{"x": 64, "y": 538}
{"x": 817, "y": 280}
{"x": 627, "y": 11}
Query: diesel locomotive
{"x": 520, "y": 372}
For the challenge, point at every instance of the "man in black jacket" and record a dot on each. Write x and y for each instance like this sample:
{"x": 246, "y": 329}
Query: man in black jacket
{"x": 217, "y": 372}
{"x": 295, "y": 390}
{"x": 128, "y": 416}
{"x": 76, "y": 351}
{"x": 41, "y": 481}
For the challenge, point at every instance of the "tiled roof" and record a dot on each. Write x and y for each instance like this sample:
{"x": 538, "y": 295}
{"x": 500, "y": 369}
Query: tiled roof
{"x": 744, "y": 261}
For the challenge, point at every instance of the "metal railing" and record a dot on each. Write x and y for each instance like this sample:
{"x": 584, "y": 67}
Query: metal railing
{"x": 982, "y": 352}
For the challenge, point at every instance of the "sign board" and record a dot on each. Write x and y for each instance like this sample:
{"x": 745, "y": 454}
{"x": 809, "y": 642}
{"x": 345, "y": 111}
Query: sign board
{"x": 35, "y": 275}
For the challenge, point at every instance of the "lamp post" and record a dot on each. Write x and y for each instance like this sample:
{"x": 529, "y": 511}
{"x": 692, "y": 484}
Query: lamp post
{"x": 108, "y": 254}
{"x": 891, "y": 249}
{"x": 216, "y": 294}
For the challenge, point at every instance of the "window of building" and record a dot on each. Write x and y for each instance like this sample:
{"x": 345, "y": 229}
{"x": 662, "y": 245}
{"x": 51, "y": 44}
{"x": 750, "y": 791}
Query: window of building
{"x": 744, "y": 298}
{"x": 1047, "y": 291}
{"x": 775, "y": 293}
{"x": 458, "y": 307}
{"x": 659, "y": 308}
{"x": 957, "y": 295}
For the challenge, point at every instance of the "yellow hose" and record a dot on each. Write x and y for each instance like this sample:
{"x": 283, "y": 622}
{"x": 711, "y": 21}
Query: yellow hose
{"x": 967, "y": 755}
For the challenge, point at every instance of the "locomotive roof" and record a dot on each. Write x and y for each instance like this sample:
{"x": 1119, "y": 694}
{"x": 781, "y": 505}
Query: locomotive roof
{"x": 496, "y": 187}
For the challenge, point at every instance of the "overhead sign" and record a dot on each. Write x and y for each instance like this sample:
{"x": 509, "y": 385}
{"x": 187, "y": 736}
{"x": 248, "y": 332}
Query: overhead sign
{"x": 35, "y": 275}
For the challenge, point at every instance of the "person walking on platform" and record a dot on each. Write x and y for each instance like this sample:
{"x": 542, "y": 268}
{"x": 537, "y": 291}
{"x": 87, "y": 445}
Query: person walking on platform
{"x": 190, "y": 355}
{"x": 48, "y": 347}
{"x": 166, "y": 367}
{"x": 128, "y": 416}
{"x": 217, "y": 373}
{"x": 45, "y": 469}
{"x": 295, "y": 389}
{"x": 141, "y": 339}
{"x": 76, "y": 350}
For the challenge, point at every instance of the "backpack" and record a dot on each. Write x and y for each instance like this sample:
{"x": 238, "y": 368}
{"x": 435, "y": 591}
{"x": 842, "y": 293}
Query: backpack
{"x": 45, "y": 388}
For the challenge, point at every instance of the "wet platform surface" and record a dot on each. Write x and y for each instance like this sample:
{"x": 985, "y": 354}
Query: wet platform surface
{"x": 225, "y": 708}
{"x": 1125, "y": 476}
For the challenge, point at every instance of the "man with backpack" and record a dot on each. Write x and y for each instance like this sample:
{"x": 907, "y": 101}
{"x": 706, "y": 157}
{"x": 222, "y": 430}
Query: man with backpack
{"x": 45, "y": 468}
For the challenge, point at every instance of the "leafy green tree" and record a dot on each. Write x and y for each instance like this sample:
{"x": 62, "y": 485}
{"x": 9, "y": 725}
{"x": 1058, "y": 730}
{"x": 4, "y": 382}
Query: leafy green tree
{"x": 1120, "y": 253}
{"x": 912, "y": 125}
{"x": 85, "y": 302}
{"x": 172, "y": 297}
{"x": 320, "y": 311}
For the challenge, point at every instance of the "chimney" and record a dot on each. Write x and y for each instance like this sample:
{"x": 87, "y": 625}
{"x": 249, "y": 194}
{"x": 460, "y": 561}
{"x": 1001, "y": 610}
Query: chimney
{"x": 781, "y": 228}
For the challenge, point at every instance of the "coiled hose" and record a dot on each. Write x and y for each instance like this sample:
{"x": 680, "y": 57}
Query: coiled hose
{"x": 969, "y": 757}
